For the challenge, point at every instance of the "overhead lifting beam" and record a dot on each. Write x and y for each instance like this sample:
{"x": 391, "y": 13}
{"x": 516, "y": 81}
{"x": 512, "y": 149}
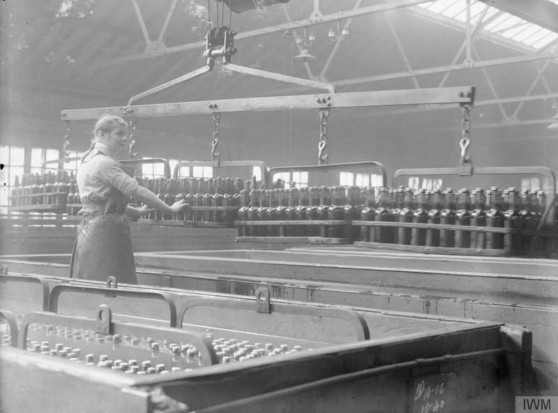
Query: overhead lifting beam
{"x": 463, "y": 95}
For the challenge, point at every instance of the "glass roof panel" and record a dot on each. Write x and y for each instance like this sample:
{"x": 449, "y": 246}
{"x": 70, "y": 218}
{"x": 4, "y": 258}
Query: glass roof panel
{"x": 497, "y": 22}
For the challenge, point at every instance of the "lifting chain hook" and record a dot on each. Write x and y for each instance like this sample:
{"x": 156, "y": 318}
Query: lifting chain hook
{"x": 322, "y": 158}
{"x": 465, "y": 140}
{"x": 215, "y": 156}
{"x": 132, "y": 126}
{"x": 67, "y": 135}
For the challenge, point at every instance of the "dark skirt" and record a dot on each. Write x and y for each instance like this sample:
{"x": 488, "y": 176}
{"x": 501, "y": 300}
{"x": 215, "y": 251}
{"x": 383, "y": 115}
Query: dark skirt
{"x": 104, "y": 248}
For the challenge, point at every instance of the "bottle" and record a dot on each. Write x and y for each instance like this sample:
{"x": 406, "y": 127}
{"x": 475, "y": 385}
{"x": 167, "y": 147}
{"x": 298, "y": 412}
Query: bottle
{"x": 301, "y": 211}
{"x": 253, "y": 230}
{"x": 336, "y": 212}
{"x": 41, "y": 190}
{"x": 281, "y": 210}
{"x": 512, "y": 220}
{"x": 230, "y": 201}
{"x": 447, "y": 217}
{"x": 326, "y": 196}
{"x": 49, "y": 188}
{"x": 312, "y": 210}
{"x": 405, "y": 215}
{"x": 262, "y": 211}
{"x": 16, "y": 190}
{"x": 199, "y": 201}
{"x": 383, "y": 214}
{"x": 273, "y": 230}
{"x": 290, "y": 212}
{"x": 463, "y": 217}
{"x": 494, "y": 219}
{"x": 420, "y": 216}
{"x": 434, "y": 214}
{"x": 218, "y": 201}
{"x": 367, "y": 214}
{"x": 352, "y": 212}
{"x": 527, "y": 221}
{"x": 478, "y": 219}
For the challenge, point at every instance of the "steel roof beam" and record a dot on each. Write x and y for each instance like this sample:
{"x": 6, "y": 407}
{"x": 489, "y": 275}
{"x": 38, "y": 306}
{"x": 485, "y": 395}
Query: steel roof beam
{"x": 450, "y": 68}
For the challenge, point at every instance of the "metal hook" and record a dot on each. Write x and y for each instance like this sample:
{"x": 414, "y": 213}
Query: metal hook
{"x": 464, "y": 144}
{"x": 321, "y": 148}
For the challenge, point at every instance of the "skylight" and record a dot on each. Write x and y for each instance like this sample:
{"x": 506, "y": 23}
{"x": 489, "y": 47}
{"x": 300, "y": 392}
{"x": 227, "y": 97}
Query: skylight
{"x": 495, "y": 21}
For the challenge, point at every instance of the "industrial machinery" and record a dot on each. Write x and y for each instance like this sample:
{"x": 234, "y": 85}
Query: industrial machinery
{"x": 190, "y": 351}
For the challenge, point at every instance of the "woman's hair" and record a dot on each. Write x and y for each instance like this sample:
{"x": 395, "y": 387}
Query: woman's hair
{"x": 106, "y": 124}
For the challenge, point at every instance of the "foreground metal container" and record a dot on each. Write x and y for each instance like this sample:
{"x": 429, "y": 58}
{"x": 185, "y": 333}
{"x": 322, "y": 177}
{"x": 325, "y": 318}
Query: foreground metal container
{"x": 350, "y": 359}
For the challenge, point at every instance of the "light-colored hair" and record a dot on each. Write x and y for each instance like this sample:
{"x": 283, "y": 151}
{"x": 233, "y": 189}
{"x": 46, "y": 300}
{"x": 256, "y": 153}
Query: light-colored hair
{"x": 106, "y": 124}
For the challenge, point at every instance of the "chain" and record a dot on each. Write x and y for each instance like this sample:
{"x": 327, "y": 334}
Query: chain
{"x": 67, "y": 135}
{"x": 132, "y": 126}
{"x": 465, "y": 140}
{"x": 322, "y": 158}
{"x": 216, "y": 123}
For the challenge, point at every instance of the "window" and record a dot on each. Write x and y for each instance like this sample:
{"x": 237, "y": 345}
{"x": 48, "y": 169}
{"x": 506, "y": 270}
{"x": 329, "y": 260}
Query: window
{"x": 532, "y": 184}
{"x": 495, "y": 22}
{"x": 346, "y": 178}
{"x": 202, "y": 172}
{"x": 13, "y": 158}
{"x": 290, "y": 179}
{"x": 300, "y": 179}
{"x": 430, "y": 184}
{"x": 360, "y": 179}
{"x": 152, "y": 170}
{"x": 41, "y": 155}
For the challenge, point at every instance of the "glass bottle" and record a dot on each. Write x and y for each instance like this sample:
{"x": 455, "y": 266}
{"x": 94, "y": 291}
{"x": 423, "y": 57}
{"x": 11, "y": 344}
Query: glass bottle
{"x": 312, "y": 210}
{"x": 383, "y": 214}
{"x": 434, "y": 213}
{"x": 367, "y": 214}
{"x": 420, "y": 216}
{"x": 405, "y": 215}
{"x": 242, "y": 214}
{"x": 494, "y": 218}
{"x": 463, "y": 217}
{"x": 336, "y": 212}
{"x": 447, "y": 217}
{"x": 478, "y": 219}
{"x": 301, "y": 211}
{"x": 527, "y": 221}
{"x": 512, "y": 219}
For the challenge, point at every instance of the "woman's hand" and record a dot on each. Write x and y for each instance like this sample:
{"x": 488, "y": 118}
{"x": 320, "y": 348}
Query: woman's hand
{"x": 144, "y": 209}
{"x": 179, "y": 206}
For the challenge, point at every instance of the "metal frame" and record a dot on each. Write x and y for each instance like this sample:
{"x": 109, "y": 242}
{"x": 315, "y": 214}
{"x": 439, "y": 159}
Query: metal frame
{"x": 125, "y": 162}
{"x": 12, "y": 323}
{"x": 333, "y": 166}
{"x": 30, "y": 279}
{"x": 462, "y": 95}
{"x": 549, "y": 180}
{"x": 258, "y": 164}
{"x": 59, "y": 289}
{"x": 100, "y": 325}
{"x": 349, "y": 315}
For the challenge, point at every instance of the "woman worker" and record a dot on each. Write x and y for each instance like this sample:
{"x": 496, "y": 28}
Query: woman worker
{"x": 103, "y": 247}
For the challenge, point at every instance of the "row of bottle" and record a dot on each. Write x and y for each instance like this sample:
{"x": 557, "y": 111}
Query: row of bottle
{"x": 493, "y": 208}
{"x": 218, "y": 185}
{"x": 301, "y": 204}
{"x": 43, "y": 189}
{"x": 209, "y": 196}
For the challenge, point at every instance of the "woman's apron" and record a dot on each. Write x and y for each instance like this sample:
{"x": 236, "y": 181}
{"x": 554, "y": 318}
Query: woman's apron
{"x": 103, "y": 246}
